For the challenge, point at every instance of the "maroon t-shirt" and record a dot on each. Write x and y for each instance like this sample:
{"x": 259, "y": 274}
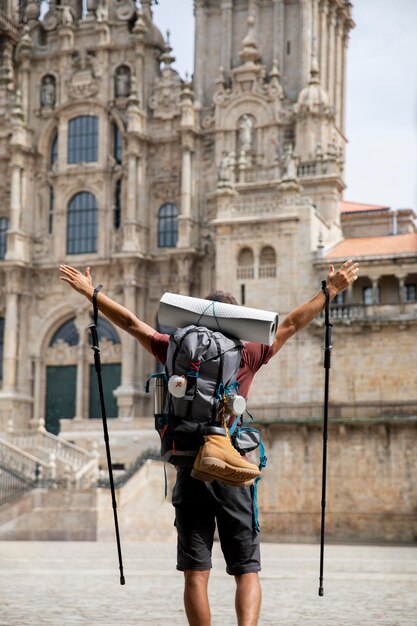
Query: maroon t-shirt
{"x": 254, "y": 355}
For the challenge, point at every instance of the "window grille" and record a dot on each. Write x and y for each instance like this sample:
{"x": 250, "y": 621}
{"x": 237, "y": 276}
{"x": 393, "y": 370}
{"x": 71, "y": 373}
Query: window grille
{"x": 117, "y": 204}
{"x": 54, "y": 150}
{"x": 117, "y": 144}
{"x": 67, "y": 333}
{"x": 82, "y": 224}
{"x": 4, "y": 226}
{"x": 1, "y": 346}
{"x": 83, "y": 139}
{"x": 245, "y": 263}
{"x": 167, "y": 226}
{"x": 267, "y": 263}
{"x": 51, "y": 211}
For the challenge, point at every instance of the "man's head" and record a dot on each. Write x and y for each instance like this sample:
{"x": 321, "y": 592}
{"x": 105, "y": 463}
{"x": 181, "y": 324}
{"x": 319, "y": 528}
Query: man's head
{"x": 221, "y": 296}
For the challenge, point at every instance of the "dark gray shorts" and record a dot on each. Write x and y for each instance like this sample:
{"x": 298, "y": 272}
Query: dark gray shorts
{"x": 198, "y": 506}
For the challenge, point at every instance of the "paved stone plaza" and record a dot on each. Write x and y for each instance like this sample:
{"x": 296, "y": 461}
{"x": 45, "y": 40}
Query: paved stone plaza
{"x": 74, "y": 584}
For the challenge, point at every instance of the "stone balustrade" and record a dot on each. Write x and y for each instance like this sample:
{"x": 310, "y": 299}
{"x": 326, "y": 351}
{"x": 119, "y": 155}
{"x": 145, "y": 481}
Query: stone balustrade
{"x": 23, "y": 463}
{"x": 67, "y": 463}
{"x": 403, "y": 312}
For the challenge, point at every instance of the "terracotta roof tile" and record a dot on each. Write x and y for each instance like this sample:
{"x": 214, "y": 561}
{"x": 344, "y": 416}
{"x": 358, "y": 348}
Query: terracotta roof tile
{"x": 354, "y": 247}
{"x": 356, "y": 207}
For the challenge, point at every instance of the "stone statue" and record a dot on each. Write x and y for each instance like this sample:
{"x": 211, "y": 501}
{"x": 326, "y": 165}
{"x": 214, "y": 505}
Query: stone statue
{"x": 122, "y": 83}
{"x": 48, "y": 95}
{"x": 290, "y": 164}
{"x": 223, "y": 174}
{"x": 67, "y": 17}
{"x": 102, "y": 12}
{"x": 246, "y": 133}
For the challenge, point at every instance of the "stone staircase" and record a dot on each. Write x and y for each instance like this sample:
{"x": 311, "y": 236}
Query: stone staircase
{"x": 36, "y": 458}
{"x": 51, "y": 489}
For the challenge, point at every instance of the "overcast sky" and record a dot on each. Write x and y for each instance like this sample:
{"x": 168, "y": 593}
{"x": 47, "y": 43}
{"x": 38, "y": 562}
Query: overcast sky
{"x": 381, "y": 124}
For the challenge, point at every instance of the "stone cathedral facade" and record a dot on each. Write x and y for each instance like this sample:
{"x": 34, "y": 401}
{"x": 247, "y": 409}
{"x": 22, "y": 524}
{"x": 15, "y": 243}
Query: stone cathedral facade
{"x": 233, "y": 179}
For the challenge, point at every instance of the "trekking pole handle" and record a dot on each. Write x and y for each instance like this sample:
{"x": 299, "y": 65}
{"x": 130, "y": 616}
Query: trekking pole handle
{"x": 329, "y": 326}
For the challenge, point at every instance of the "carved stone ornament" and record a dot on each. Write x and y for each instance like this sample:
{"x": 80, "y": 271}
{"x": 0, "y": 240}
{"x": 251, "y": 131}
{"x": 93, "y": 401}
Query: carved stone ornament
{"x": 50, "y": 20}
{"x": 165, "y": 100}
{"x": 125, "y": 10}
{"x": 82, "y": 84}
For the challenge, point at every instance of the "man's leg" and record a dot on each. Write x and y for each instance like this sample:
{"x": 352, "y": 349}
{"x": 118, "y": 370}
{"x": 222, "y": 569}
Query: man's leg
{"x": 196, "y": 598}
{"x": 248, "y": 599}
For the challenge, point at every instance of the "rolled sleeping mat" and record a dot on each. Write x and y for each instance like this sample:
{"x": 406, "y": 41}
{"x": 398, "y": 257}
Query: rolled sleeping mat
{"x": 230, "y": 319}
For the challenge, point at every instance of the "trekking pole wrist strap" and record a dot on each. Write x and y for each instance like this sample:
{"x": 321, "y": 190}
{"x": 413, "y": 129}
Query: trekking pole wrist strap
{"x": 326, "y": 293}
{"x": 95, "y": 306}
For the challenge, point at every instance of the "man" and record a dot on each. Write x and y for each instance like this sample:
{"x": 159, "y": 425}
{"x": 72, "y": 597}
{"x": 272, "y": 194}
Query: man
{"x": 199, "y": 504}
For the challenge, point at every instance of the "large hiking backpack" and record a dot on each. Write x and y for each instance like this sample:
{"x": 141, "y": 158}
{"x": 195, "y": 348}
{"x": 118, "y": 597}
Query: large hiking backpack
{"x": 209, "y": 363}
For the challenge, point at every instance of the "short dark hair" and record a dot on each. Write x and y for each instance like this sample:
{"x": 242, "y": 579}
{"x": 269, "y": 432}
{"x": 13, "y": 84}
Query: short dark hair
{"x": 221, "y": 296}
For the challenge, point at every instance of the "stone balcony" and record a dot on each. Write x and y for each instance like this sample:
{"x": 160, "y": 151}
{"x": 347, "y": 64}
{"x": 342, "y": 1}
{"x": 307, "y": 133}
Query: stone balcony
{"x": 405, "y": 311}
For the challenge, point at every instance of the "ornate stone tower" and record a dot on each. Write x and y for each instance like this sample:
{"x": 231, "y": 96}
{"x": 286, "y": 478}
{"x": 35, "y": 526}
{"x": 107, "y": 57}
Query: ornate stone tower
{"x": 269, "y": 79}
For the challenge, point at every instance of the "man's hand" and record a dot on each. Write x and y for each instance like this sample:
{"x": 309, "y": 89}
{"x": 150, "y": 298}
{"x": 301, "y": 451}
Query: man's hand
{"x": 339, "y": 281}
{"x": 83, "y": 283}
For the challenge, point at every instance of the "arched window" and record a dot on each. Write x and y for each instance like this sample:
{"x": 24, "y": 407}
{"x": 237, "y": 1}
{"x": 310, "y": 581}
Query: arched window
{"x": 167, "y": 226}
{"x": 51, "y": 210}
{"x": 117, "y": 216}
{"x": 82, "y": 224}
{"x": 106, "y": 331}
{"x": 267, "y": 263}
{"x": 117, "y": 143}
{"x": 245, "y": 263}
{"x": 4, "y": 226}
{"x": 1, "y": 346}
{"x": 53, "y": 156}
{"x": 67, "y": 333}
{"x": 83, "y": 139}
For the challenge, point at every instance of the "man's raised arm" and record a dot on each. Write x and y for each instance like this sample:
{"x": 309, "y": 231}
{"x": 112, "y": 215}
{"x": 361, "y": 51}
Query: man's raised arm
{"x": 116, "y": 313}
{"x": 302, "y": 315}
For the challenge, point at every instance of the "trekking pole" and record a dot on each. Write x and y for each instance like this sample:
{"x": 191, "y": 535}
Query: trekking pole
{"x": 97, "y": 363}
{"x": 327, "y": 355}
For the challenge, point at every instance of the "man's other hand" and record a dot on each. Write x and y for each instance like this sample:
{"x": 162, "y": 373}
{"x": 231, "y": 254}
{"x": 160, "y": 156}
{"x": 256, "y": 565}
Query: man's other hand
{"x": 343, "y": 278}
{"x": 83, "y": 283}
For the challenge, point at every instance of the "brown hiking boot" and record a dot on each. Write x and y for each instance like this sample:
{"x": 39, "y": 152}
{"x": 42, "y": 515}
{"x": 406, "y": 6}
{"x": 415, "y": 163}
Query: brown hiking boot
{"x": 203, "y": 473}
{"x": 221, "y": 460}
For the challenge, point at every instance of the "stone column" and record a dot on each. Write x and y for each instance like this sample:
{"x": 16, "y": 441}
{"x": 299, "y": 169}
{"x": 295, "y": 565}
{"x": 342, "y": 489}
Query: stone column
{"x": 227, "y": 18}
{"x": 199, "y": 52}
{"x": 375, "y": 295}
{"x": 331, "y": 54}
{"x": 278, "y": 43}
{"x": 10, "y": 342}
{"x": 184, "y": 224}
{"x": 127, "y": 392}
{"x": 15, "y": 197}
{"x": 338, "y": 71}
{"x": 323, "y": 43}
{"x": 305, "y": 41}
{"x": 79, "y": 398}
{"x": 24, "y": 84}
{"x": 186, "y": 182}
{"x": 401, "y": 292}
{"x": 37, "y": 390}
{"x": 345, "y": 41}
{"x": 130, "y": 218}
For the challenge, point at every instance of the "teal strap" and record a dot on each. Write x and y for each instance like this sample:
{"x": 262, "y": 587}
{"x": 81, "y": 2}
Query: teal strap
{"x": 255, "y": 505}
{"x": 235, "y": 423}
{"x": 211, "y": 304}
{"x": 262, "y": 463}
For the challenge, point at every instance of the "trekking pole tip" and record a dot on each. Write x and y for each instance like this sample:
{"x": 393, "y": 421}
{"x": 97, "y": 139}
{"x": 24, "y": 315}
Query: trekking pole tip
{"x": 321, "y": 591}
{"x": 122, "y": 580}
